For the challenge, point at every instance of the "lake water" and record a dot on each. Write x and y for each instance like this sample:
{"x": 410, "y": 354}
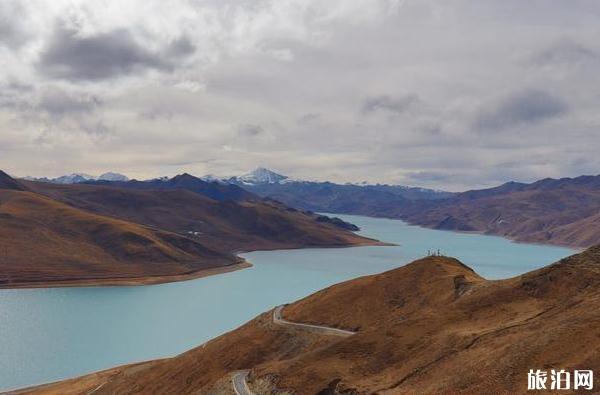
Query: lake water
{"x": 52, "y": 334}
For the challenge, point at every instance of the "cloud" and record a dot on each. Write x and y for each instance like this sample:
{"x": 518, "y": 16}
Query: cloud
{"x": 522, "y": 108}
{"x": 249, "y": 130}
{"x": 70, "y": 55}
{"x": 180, "y": 48}
{"x": 58, "y": 103}
{"x": 564, "y": 51}
{"x": 386, "y": 103}
{"x": 12, "y": 32}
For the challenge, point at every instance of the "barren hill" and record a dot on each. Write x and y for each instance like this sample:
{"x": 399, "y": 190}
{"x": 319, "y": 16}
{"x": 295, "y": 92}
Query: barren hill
{"x": 564, "y": 211}
{"x": 224, "y": 225}
{"x": 431, "y": 327}
{"x": 43, "y": 241}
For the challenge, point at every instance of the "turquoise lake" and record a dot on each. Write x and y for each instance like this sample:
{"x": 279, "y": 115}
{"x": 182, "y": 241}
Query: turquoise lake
{"x": 52, "y": 334}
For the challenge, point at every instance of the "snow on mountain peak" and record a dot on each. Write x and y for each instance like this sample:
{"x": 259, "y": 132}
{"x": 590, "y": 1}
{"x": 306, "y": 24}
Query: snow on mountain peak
{"x": 110, "y": 176}
{"x": 72, "y": 178}
{"x": 76, "y": 178}
{"x": 260, "y": 175}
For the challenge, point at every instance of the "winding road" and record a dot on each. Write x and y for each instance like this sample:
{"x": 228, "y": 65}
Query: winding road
{"x": 240, "y": 386}
{"x": 324, "y": 330}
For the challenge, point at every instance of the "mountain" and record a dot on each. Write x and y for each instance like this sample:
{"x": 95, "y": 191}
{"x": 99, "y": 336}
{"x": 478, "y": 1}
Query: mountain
{"x": 72, "y": 178}
{"x": 44, "y": 241}
{"x": 363, "y": 199}
{"x": 258, "y": 176}
{"x": 77, "y": 178}
{"x": 431, "y": 327}
{"x": 7, "y": 182}
{"x": 371, "y": 200}
{"x": 110, "y": 176}
{"x": 213, "y": 190}
{"x": 562, "y": 211}
{"x": 225, "y": 225}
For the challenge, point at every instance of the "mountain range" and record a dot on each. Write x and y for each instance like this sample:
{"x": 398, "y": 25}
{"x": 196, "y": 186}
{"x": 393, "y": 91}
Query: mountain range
{"x": 562, "y": 211}
{"x": 431, "y": 327}
{"x": 77, "y": 178}
{"x": 116, "y": 233}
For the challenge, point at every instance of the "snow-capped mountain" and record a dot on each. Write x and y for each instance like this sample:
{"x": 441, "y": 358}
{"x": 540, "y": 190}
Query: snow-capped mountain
{"x": 110, "y": 176}
{"x": 258, "y": 176}
{"x": 74, "y": 178}
{"x": 77, "y": 178}
{"x": 213, "y": 178}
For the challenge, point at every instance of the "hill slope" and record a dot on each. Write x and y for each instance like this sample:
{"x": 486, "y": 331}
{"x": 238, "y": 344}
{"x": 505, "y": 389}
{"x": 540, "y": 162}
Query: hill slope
{"x": 431, "y": 327}
{"x": 44, "y": 241}
{"x": 222, "y": 225}
{"x": 213, "y": 190}
{"x": 565, "y": 211}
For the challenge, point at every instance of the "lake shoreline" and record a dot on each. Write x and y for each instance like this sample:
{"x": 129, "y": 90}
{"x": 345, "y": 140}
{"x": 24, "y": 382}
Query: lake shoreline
{"x": 165, "y": 279}
{"x": 130, "y": 281}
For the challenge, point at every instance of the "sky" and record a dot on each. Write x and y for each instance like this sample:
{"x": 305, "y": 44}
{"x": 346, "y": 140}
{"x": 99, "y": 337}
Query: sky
{"x": 448, "y": 94}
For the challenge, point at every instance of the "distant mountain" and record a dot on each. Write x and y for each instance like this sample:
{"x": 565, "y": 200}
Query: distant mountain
{"x": 365, "y": 199}
{"x": 110, "y": 176}
{"x": 77, "y": 178}
{"x": 562, "y": 211}
{"x": 433, "y": 326}
{"x": 258, "y": 176}
{"x": 74, "y": 178}
{"x": 558, "y": 211}
{"x": 214, "y": 190}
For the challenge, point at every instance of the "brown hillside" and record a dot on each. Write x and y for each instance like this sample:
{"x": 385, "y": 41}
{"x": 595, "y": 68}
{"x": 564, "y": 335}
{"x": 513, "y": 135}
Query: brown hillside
{"x": 564, "y": 212}
{"x": 44, "y": 241}
{"x": 431, "y": 327}
{"x": 222, "y": 225}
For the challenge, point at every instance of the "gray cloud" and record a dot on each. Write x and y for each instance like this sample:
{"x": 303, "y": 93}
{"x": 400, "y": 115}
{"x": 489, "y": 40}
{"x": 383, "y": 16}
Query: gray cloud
{"x": 564, "y": 51}
{"x": 249, "y": 130}
{"x": 71, "y": 56}
{"x": 180, "y": 48}
{"x": 12, "y": 32}
{"x": 525, "y": 107}
{"x": 12, "y": 95}
{"x": 58, "y": 103}
{"x": 390, "y": 104}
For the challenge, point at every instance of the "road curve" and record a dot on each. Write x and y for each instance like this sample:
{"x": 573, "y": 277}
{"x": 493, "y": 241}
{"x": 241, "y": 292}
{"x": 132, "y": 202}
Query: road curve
{"x": 240, "y": 387}
{"x": 96, "y": 389}
{"x": 325, "y": 330}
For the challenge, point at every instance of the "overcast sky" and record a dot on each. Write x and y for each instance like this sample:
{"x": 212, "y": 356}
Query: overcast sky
{"x": 448, "y": 94}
